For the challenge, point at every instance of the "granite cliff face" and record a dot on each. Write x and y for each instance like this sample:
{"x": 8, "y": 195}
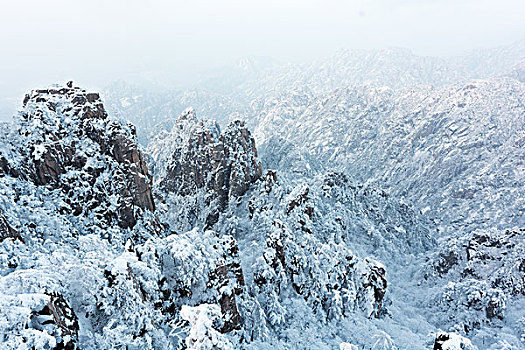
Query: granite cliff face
{"x": 196, "y": 157}
{"x": 66, "y": 141}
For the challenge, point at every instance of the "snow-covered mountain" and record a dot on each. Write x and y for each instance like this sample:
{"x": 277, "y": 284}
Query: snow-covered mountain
{"x": 454, "y": 152}
{"x": 371, "y": 200}
{"x": 235, "y": 92}
{"x": 308, "y": 249}
{"x": 92, "y": 255}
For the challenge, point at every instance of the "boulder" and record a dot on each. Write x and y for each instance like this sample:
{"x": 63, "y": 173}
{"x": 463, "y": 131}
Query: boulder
{"x": 452, "y": 341}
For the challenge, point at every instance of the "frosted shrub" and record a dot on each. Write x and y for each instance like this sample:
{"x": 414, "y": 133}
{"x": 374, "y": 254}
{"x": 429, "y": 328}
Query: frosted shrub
{"x": 202, "y": 334}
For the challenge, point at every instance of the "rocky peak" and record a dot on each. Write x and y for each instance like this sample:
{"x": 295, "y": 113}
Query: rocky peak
{"x": 243, "y": 167}
{"x": 67, "y": 142}
{"x": 187, "y": 115}
{"x": 197, "y": 157}
{"x": 64, "y": 100}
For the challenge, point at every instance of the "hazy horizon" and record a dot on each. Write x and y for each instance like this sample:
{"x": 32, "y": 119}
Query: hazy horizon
{"x": 98, "y": 42}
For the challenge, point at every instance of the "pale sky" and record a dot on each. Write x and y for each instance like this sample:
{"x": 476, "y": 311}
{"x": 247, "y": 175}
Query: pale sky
{"x": 97, "y": 41}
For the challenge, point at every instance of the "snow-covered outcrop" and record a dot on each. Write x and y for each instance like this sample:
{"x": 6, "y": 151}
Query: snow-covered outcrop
{"x": 456, "y": 155}
{"x": 39, "y": 321}
{"x": 481, "y": 281}
{"x": 196, "y": 160}
{"x": 80, "y": 240}
{"x": 296, "y": 236}
{"x": 202, "y": 334}
{"x": 80, "y": 269}
{"x": 452, "y": 341}
{"x": 64, "y": 140}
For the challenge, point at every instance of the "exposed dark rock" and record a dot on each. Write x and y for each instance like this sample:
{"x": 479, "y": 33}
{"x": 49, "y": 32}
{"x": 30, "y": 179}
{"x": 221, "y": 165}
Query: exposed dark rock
{"x": 50, "y": 119}
{"x": 299, "y": 199}
{"x": 270, "y": 178}
{"x": 230, "y": 312}
{"x": 502, "y": 254}
{"x": 195, "y": 160}
{"x": 494, "y": 309}
{"x": 7, "y": 169}
{"x": 59, "y": 320}
{"x": 242, "y": 167}
{"x": 440, "y": 339}
{"x": 52, "y": 164}
{"x": 451, "y": 341}
{"x": 376, "y": 279}
{"x": 446, "y": 262}
{"x": 6, "y": 231}
{"x": 137, "y": 177}
{"x": 202, "y": 158}
{"x": 220, "y": 278}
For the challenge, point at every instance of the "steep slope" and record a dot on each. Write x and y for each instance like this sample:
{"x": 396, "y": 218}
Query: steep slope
{"x": 103, "y": 247}
{"x": 93, "y": 254}
{"x": 297, "y": 238}
{"x": 84, "y": 261}
{"x": 201, "y": 168}
{"x": 65, "y": 141}
{"x": 455, "y": 153}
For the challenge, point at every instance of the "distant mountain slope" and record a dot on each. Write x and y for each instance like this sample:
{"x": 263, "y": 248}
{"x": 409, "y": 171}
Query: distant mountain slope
{"x": 450, "y": 151}
{"x": 234, "y": 91}
{"x": 153, "y": 111}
